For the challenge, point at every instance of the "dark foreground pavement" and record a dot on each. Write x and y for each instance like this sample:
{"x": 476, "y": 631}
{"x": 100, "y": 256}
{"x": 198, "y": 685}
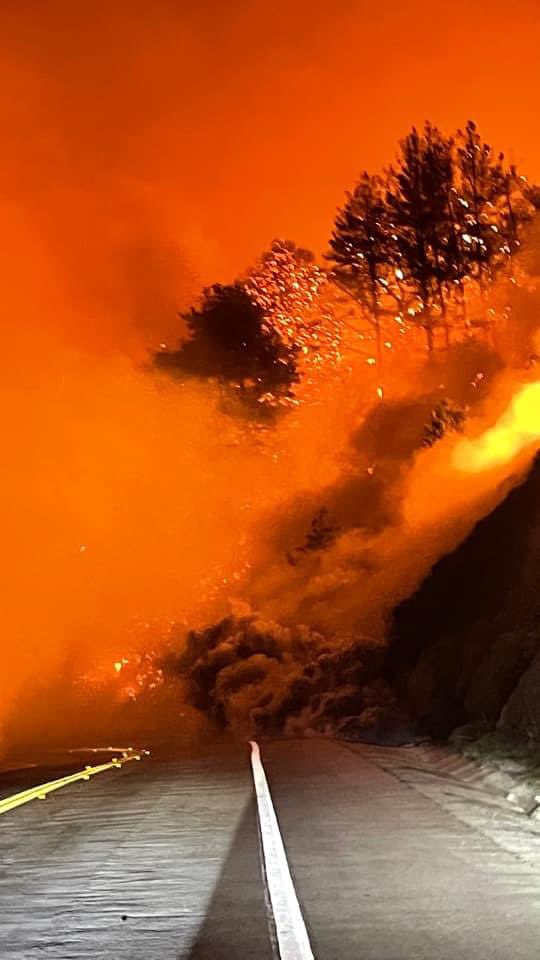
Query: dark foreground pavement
{"x": 160, "y": 861}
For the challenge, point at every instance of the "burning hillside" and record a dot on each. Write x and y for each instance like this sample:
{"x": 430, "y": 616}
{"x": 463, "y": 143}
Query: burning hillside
{"x": 325, "y": 584}
{"x": 227, "y": 524}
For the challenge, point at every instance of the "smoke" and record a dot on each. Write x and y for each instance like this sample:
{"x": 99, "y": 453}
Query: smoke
{"x": 249, "y": 673}
{"x": 131, "y": 501}
{"x": 313, "y": 655}
{"x": 138, "y": 510}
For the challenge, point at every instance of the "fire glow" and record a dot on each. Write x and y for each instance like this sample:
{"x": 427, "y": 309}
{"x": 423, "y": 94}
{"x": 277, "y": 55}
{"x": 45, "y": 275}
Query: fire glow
{"x": 518, "y": 428}
{"x": 134, "y": 499}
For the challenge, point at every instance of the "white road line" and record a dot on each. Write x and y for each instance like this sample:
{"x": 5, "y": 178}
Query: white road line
{"x": 292, "y": 936}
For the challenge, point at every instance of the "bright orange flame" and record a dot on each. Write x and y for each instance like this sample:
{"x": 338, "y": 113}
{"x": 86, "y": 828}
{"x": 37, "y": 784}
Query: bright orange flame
{"x": 519, "y": 427}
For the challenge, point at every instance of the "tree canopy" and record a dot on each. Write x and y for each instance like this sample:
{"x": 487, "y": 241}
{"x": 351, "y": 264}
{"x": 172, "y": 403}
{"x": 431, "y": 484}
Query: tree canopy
{"x": 230, "y": 341}
{"x": 447, "y": 216}
{"x": 411, "y": 261}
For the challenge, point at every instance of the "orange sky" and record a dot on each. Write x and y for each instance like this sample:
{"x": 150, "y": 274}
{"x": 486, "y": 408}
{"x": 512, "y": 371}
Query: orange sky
{"x": 150, "y": 146}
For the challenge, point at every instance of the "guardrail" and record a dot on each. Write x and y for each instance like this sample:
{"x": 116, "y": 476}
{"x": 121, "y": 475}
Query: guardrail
{"x": 41, "y": 791}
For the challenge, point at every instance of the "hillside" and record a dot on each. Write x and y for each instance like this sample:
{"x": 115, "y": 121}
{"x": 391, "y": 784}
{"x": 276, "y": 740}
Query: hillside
{"x": 466, "y": 646}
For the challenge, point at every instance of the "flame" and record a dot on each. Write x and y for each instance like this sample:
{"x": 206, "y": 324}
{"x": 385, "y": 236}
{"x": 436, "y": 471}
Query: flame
{"x": 518, "y": 428}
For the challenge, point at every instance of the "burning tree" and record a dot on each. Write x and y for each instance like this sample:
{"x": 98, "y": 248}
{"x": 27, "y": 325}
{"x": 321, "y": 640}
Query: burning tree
{"x": 447, "y": 217}
{"x": 418, "y": 199}
{"x": 361, "y": 251}
{"x": 479, "y": 199}
{"x": 231, "y": 341}
{"x": 294, "y": 294}
{"x": 262, "y": 332}
{"x": 495, "y": 201}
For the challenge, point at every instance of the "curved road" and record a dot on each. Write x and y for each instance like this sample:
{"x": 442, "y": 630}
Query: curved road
{"x": 161, "y": 860}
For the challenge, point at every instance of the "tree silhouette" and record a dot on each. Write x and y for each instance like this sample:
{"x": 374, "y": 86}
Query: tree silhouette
{"x": 230, "y": 341}
{"x": 496, "y": 204}
{"x": 515, "y": 206}
{"x": 481, "y": 187}
{"x": 361, "y": 249}
{"x": 443, "y": 216}
{"x": 435, "y": 230}
{"x": 420, "y": 199}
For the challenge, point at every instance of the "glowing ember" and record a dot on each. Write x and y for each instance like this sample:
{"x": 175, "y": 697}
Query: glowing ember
{"x": 296, "y": 298}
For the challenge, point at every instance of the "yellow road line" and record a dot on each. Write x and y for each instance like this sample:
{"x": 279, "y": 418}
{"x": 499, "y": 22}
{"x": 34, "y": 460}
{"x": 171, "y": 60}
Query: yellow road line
{"x": 40, "y": 792}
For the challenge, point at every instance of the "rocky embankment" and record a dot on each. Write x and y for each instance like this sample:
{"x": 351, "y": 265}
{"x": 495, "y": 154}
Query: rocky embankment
{"x": 465, "y": 649}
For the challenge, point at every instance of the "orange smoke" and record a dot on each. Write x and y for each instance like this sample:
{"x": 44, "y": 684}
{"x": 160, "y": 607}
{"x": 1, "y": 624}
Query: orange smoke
{"x": 131, "y": 499}
{"x": 113, "y": 125}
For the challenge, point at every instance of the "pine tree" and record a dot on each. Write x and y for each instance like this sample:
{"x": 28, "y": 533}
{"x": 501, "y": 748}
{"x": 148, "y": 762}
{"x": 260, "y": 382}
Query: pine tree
{"x": 416, "y": 196}
{"x": 230, "y": 341}
{"x": 443, "y": 235}
{"x": 360, "y": 249}
{"x": 497, "y": 203}
{"x": 443, "y": 222}
{"x": 512, "y": 199}
{"x": 481, "y": 185}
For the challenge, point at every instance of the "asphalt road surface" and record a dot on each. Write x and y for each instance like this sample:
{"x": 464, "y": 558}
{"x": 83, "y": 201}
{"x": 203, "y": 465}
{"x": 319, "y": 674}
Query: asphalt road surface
{"x": 161, "y": 860}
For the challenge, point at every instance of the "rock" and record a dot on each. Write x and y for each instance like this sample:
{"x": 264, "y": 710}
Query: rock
{"x": 467, "y": 733}
{"x": 491, "y": 684}
{"x": 523, "y": 796}
{"x": 385, "y": 726}
{"x": 513, "y": 767}
{"x": 466, "y": 646}
{"x": 437, "y": 684}
{"x": 498, "y": 780}
{"x": 521, "y": 715}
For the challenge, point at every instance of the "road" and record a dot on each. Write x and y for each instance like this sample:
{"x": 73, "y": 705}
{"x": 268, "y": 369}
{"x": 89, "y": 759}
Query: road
{"x": 161, "y": 860}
